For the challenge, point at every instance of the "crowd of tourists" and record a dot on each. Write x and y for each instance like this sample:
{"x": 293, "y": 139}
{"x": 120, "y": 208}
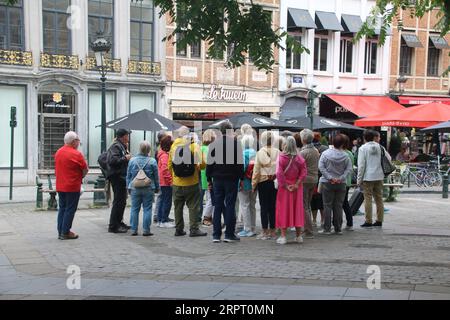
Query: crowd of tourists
{"x": 219, "y": 177}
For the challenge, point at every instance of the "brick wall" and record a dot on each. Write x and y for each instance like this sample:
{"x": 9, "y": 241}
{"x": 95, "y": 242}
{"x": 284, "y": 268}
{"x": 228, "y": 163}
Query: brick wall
{"x": 213, "y": 71}
{"x": 419, "y": 81}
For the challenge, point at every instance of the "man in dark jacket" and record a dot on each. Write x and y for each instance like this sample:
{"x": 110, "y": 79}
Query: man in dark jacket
{"x": 224, "y": 170}
{"x": 118, "y": 158}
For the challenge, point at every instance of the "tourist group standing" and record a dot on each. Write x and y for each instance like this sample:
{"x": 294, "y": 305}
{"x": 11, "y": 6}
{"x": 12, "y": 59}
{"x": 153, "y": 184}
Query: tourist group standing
{"x": 293, "y": 175}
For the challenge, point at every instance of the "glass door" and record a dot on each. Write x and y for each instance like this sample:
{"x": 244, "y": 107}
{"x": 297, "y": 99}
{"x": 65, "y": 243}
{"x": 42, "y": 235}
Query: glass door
{"x": 56, "y": 118}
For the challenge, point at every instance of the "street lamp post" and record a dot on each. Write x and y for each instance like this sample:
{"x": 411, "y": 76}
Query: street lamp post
{"x": 101, "y": 47}
{"x": 311, "y": 98}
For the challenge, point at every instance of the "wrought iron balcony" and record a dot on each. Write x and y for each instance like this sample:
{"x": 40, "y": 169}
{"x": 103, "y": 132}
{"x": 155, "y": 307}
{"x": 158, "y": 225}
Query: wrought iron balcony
{"x": 112, "y": 65}
{"x": 60, "y": 61}
{"x": 144, "y": 67}
{"x": 16, "y": 58}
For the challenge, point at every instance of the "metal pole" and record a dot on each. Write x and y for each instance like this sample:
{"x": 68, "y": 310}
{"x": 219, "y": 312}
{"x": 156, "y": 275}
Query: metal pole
{"x": 445, "y": 186}
{"x": 12, "y": 124}
{"x": 103, "y": 135}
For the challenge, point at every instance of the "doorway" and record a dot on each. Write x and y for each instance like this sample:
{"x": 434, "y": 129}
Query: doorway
{"x": 56, "y": 117}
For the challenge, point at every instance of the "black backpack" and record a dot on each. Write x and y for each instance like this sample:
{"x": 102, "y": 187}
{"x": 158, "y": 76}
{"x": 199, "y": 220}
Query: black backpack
{"x": 103, "y": 162}
{"x": 182, "y": 167}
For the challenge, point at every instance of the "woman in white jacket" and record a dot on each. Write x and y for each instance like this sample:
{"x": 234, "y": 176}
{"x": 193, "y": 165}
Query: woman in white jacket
{"x": 264, "y": 175}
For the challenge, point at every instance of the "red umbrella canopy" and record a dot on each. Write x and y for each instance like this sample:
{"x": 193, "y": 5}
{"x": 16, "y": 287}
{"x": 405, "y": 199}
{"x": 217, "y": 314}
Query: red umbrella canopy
{"x": 421, "y": 116}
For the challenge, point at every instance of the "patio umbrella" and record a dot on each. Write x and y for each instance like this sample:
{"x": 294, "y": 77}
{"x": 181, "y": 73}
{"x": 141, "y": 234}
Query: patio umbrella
{"x": 442, "y": 127}
{"x": 321, "y": 123}
{"x": 143, "y": 120}
{"x": 256, "y": 121}
{"x": 421, "y": 116}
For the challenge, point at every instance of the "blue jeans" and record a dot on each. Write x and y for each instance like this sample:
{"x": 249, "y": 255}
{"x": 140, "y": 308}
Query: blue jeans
{"x": 225, "y": 194}
{"x": 141, "y": 197}
{"x": 165, "y": 204}
{"x": 68, "y": 204}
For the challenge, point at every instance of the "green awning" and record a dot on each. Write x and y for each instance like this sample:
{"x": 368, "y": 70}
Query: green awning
{"x": 412, "y": 40}
{"x": 439, "y": 42}
{"x": 327, "y": 21}
{"x": 351, "y": 23}
{"x": 299, "y": 18}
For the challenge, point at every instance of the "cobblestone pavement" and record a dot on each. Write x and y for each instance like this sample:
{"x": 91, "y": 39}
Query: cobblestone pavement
{"x": 412, "y": 251}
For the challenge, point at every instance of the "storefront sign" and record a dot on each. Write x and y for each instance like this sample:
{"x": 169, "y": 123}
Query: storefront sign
{"x": 219, "y": 93}
{"x": 340, "y": 109}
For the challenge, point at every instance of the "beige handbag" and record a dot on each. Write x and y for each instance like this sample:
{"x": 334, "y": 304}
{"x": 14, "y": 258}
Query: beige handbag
{"x": 142, "y": 180}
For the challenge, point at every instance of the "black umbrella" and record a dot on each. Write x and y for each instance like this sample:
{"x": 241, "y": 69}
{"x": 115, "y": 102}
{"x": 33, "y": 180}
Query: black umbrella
{"x": 256, "y": 121}
{"x": 442, "y": 127}
{"x": 320, "y": 123}
{"x": 144, "y": 120}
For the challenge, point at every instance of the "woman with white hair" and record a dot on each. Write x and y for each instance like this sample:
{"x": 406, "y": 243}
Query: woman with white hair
{"x": 142, "y": 187}
{"x": 264, "y": 175}
{"x": 247, "y": 197}
{"x": 291, "y": 171}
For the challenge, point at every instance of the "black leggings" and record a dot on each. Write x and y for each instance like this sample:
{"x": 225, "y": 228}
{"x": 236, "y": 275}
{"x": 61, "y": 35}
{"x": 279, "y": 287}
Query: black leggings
{"x": 267, "y": 201}
{"x": 347, "y": 210}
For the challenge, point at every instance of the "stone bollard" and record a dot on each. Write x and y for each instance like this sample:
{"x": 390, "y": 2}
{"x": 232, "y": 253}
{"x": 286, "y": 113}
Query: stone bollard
{"x": 445, "y": 187}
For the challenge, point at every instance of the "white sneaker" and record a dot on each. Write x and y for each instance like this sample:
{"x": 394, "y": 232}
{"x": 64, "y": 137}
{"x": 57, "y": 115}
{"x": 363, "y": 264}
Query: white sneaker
{"x": 281, "y": 240}
{"x": 299, "y": 239}
{"x": 159, "y": 225}
{"x": 322, "y": 231}
{"x": 167, "y": 225}
{"x": 349, "y": 228}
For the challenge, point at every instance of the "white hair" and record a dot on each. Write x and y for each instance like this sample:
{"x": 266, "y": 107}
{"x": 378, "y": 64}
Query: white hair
{"x": 246, "y": 129}
{"x": 290, "y": 146}
{"x": 247, "y": 141}
{"x": 145, "y": 148}
{"x": 70, "y": 137}
{"x": 307, "y": 136}
{"x": 268, "y": 139}
{"x": 182, "y": 132}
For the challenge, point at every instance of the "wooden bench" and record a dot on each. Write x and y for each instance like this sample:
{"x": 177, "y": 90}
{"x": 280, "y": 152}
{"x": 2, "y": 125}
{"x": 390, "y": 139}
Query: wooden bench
{"x": 52, "y": 203}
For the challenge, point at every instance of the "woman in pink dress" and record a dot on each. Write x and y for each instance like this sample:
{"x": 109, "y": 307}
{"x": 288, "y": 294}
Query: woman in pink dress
{"x": 291, "y": 171}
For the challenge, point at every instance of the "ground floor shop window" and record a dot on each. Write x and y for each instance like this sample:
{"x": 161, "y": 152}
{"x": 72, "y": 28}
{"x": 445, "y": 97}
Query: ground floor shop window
{"x": 95, "y": 119}
{"x": 13, "y": 96}
{"x": 141, "y": 101}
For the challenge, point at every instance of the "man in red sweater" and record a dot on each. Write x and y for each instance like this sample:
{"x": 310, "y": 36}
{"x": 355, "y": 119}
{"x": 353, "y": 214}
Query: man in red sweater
{"x": 70, "y": 169}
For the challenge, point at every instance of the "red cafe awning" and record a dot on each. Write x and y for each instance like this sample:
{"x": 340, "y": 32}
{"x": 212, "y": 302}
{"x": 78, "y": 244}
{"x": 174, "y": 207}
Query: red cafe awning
{"x": 422, "y": 116}
{"x": 422, "y": 100}
{"x": 366, "y": 106}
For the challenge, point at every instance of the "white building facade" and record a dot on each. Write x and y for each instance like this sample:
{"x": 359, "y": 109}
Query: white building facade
{"x": 47, "y": 71}
{"x": 335, "y": 65}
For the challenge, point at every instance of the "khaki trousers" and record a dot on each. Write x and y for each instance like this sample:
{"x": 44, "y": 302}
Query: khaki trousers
{"x": 373, "y": 189}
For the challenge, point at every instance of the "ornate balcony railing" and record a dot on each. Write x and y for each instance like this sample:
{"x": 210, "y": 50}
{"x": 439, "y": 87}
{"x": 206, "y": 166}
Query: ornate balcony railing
{"x": 60, "y": 61}
{"x": 112, "y": 65}
{"x": 16, "y": 58}
{"x": 143, "y": 67}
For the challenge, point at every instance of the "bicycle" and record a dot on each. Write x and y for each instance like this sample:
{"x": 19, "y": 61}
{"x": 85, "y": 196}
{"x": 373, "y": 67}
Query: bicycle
{"x": 422, "y": 176}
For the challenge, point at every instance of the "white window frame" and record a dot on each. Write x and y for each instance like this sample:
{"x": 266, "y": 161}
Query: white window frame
{"x": 302, "y": 36}
{"x": 342, "y": 60}
{"x": 329, "y": 53}
{"x": 377, "y": 64}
